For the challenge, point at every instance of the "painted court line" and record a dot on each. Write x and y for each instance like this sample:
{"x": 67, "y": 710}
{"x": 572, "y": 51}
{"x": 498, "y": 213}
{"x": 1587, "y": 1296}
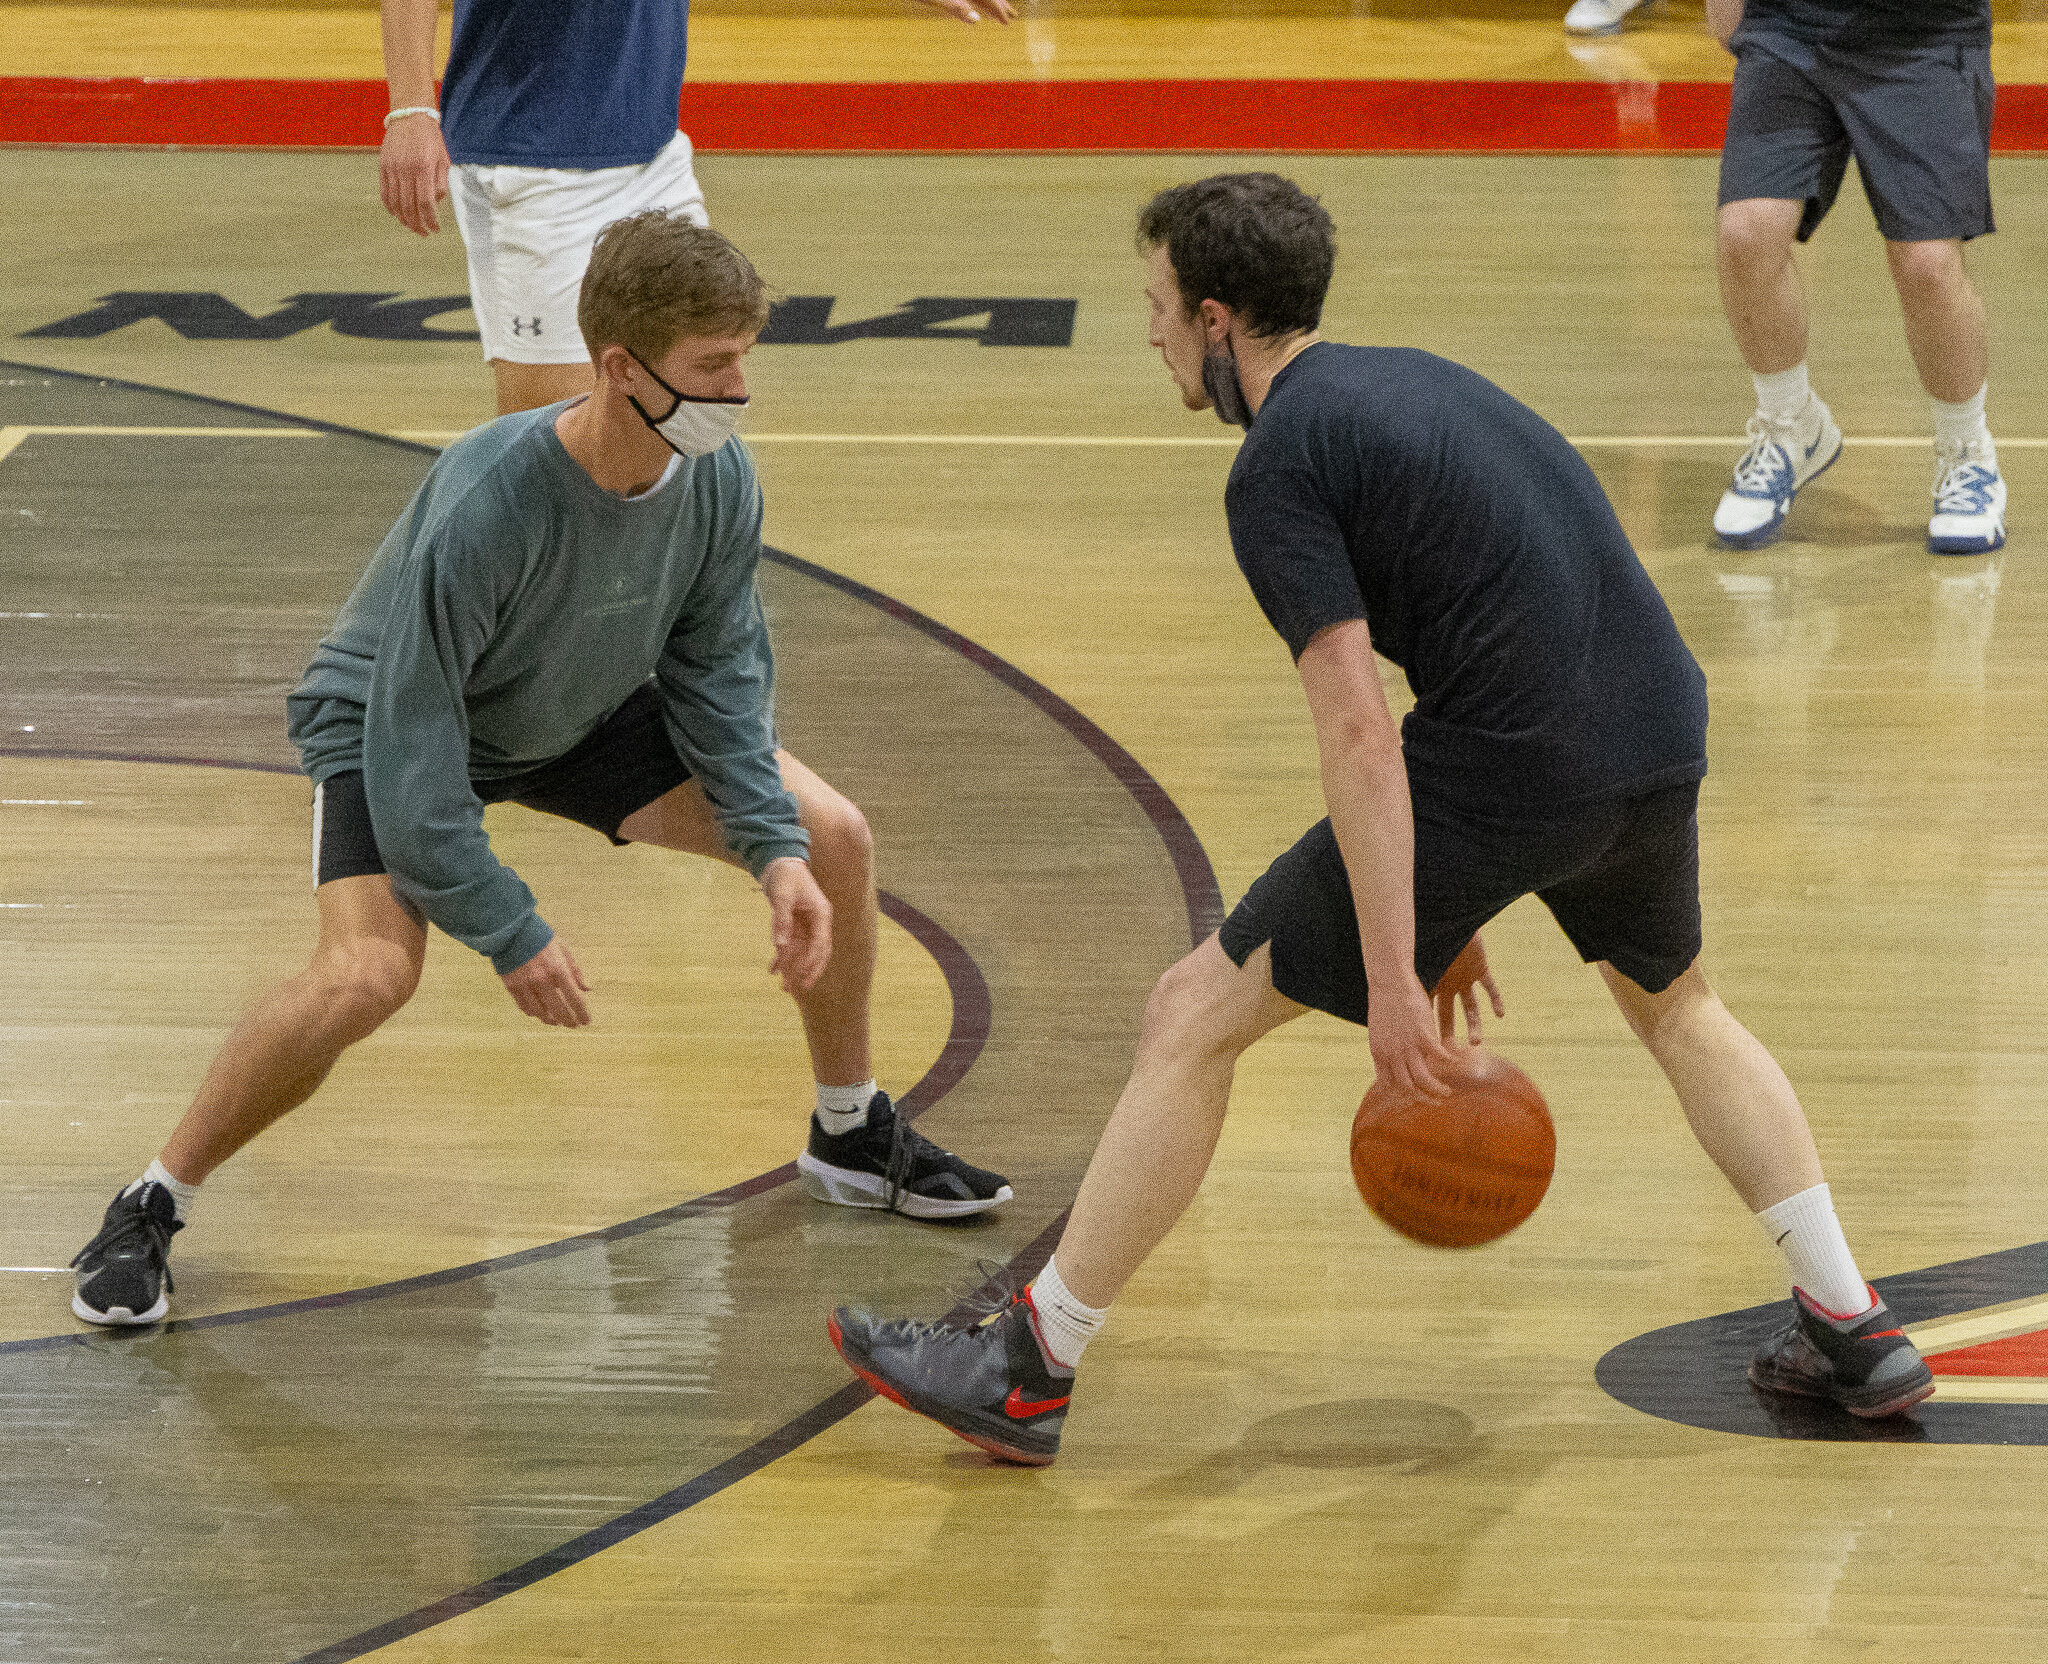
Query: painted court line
{"x": 1970, "y": 1328}
{"x": 1984, "y": 1389}
{"x": 441, "y": 436}
{"x": 10, "y": 437}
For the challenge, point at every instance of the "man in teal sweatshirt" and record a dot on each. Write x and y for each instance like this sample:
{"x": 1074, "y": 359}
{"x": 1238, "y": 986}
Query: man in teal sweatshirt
{"x": 565, "y": 617}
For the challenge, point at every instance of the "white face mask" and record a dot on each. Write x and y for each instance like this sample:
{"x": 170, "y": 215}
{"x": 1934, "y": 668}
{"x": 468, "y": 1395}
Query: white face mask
{"x": 693, "y": 426}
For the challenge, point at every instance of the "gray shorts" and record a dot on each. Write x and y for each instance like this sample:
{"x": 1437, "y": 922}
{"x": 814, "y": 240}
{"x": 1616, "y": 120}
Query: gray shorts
{"x": 1916, "y": 118}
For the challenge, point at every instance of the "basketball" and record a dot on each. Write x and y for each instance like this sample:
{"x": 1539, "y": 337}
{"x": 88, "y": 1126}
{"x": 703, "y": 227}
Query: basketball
{"x": 1455, "y": 1172}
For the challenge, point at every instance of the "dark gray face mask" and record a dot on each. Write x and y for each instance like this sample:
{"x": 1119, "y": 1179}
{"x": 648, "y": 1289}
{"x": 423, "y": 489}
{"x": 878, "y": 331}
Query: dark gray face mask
{"x": 1225, "y": 390}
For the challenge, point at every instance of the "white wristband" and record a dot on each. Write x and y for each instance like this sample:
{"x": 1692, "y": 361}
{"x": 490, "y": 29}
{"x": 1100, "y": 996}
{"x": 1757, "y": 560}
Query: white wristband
{"x": 414, "y": 110}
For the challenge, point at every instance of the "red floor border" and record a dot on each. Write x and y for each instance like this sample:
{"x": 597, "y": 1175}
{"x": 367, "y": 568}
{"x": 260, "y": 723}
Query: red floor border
{"x": 1330, "y": 116}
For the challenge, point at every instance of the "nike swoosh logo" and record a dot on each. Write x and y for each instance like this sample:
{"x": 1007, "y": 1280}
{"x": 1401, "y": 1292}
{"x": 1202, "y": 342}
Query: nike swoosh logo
{"x": 1814, "y": 446}
{"x": 1019, "y": 1408}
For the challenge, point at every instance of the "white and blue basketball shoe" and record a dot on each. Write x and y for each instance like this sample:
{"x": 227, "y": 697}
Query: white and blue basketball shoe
{"x": 1969, "y": 500}
{"x": 1782, "y": 457}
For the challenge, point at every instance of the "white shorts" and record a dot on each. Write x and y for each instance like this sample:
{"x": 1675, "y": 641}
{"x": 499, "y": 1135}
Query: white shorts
{"x": 528, "y": 232}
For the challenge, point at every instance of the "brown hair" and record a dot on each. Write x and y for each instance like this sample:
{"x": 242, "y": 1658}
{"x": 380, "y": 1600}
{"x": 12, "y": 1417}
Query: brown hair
{"x": 655, "y": 277}
{"x": 1258, "y": 243}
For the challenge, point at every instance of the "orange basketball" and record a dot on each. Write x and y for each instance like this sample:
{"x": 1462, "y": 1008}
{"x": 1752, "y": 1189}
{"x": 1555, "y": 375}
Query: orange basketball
{"x": 1455, "y": 1172}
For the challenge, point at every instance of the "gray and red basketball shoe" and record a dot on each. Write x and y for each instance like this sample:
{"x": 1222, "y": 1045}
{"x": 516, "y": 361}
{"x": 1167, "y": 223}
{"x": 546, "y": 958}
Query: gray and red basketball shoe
{"x": 1864, "y": 1363}
{"x": 992, "y": 1384}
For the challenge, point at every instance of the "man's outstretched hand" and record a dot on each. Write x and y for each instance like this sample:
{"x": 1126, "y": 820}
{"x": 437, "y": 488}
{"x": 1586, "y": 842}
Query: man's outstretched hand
{"x": 549, "y": 986}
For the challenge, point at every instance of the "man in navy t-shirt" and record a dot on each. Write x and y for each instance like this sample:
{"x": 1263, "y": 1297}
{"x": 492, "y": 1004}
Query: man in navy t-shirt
{"x": 559, "y": 118}
{"x": 1389, "y": 500}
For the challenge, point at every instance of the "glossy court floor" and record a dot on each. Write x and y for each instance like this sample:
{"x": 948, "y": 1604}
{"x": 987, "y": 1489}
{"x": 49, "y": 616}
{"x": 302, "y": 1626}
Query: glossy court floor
{"x": 1012, "y": 629}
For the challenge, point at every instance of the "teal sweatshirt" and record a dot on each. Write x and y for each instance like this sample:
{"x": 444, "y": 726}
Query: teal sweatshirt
{"x": 513, "y": 607}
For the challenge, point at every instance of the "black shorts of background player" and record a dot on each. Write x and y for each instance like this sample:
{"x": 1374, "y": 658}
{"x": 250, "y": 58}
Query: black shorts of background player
{"x": 1389, "y": 499}
{"x": 1905, "y": 87}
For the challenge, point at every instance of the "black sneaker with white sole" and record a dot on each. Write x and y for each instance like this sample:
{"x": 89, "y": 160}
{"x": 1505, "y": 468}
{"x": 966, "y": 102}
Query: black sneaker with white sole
{"x": 124, "y": 1273}
{"x": 1864, "y": 1362}
{"x": 889, "y": 1164}
{"x": 992, "y": 1384}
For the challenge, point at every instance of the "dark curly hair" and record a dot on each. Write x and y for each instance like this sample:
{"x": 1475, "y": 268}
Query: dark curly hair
{"x": 1256, "y": 242}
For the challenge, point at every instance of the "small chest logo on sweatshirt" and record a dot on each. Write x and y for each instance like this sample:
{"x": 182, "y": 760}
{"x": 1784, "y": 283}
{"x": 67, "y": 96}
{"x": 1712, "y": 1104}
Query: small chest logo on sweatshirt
{"x": 620, "y": 602}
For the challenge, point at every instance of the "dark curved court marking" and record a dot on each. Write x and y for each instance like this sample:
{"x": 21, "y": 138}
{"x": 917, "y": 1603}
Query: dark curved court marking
{"x": 1692, "y": 1373}
{"x": 348, "y": 1470}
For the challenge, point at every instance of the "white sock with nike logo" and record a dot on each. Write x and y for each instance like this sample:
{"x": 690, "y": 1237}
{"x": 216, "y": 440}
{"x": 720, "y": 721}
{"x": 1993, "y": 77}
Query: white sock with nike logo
{"x": 1781, "y": 397}
{"x": 181, "y": 1192}
{"x": 1065, "y": 1326}
{"x": 1805, "y": 1230}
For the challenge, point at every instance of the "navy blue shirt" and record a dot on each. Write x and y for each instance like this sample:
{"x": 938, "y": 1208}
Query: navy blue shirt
{"x": 1400, "y": 488}
{"x": 564, "y": 83}
{"x": 1883, "y": 23}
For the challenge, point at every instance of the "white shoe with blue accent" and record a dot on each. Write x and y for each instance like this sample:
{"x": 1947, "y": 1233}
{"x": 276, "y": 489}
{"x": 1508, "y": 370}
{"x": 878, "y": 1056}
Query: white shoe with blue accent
{"x": 1969, "y": 501}
{"x": 1782, "y": 457}
{"x": 1598, "y": 17}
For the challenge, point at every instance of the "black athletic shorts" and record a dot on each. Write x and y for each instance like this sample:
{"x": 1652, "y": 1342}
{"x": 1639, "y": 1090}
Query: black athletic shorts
{"x": 1622, "y": 877}
{"x": 1916, "y": 118}
{"x": 621, "y": 765}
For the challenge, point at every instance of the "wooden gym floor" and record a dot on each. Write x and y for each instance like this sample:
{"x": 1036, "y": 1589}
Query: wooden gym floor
{"x": 511, "y": 1345}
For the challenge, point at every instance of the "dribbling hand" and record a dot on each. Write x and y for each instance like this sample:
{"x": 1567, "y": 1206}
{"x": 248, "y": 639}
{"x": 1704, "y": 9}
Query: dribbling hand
{"x": 1408, "y": 1054}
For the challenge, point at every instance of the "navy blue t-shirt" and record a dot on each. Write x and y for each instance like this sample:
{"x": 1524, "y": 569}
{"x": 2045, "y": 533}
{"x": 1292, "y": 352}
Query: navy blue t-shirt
{"x": 1400, "y": 488}
{"x": 564, "y": 83}
{"x": 1861, "y": 23}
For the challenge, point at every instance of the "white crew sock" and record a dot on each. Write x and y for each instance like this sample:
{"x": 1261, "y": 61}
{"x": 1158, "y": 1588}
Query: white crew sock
{"x": 843, "y": 1108}
{"x": 181, "y": 1192}
{"x": 1961, "y": 425}
{"x": 1065, "y": 1326}
{"x": 1804, "y": 1229}
{"x": 1782, "y": 396}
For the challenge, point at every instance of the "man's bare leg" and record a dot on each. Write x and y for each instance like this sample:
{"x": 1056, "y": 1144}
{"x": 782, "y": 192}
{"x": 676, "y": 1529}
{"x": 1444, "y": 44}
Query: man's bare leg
{"x": 1945, "y": 327}
{"x": 835, "y": 1008}
{"x": 1736, "y": 1099}
{"x": 1202, "y": 1017}
{"x": 1760, "y": 287}
{"x": 1841, "y": 1344}
{"x": 364, "y": 968}
{"x": 529, "y": 386}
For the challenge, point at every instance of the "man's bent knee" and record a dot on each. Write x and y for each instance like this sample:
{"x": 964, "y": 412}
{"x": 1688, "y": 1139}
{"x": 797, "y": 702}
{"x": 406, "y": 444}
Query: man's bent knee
{"x": 1644, "y": 1011}
{"x": 1759, "y": 230}
{"x": 1932, "y": 266}
{"x": 365, "y": 983}
{"x": 1205, "y": 1003}
{"x": 842, "y": 845}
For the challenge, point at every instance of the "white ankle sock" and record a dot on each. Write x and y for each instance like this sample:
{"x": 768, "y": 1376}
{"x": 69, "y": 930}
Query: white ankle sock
{"x": 1782, "y": 395}
{"x": 181, "y": 1192}
{"x": 1961, "y": 424}
{"x": 1065, "y": 1326}
{"x": 842, "y": 1108}
{"x": 1804, "y": 1229}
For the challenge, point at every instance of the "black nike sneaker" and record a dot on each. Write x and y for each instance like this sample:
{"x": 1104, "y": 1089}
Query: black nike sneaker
{"x": 992, "y": 1384}
{"x": 1864, "y": 1363}
{"x": 889, "y": 1164}
{"x": 124, "y": 1273}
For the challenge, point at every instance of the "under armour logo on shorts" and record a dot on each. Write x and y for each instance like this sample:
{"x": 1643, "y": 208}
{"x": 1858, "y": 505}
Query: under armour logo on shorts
{"x": 521, "y": 326}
